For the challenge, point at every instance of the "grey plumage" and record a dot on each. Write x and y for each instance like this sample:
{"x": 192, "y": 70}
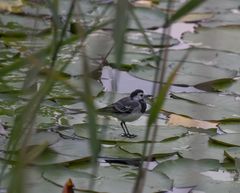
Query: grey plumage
{"x": 127, "y": 109}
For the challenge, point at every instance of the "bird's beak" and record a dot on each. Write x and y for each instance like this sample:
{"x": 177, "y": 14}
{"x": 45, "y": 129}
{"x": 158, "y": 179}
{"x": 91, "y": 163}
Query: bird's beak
{"x": 149, "y": 98}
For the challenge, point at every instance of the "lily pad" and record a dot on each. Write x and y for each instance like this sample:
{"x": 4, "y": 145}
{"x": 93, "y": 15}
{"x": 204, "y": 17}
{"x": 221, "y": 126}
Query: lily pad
{"x": 210, "y": 57}
{"x": 62, "y": 91}
{"x": 161, "y": 149}
{"x": 225, "y": 102}
{"x": 234, "y": 88}
{"x": 211, "y": 185}
{"x": 232, "y": 152}
{"x": 196, "y": 111}
{"x": 220, "y": 38}
{"x": 113, "y": 132}
{"x": 148, "y": 17}
{"x": 230, "y": 127}
{"x": 199, "y": 147}
{"x": 186, "y": 172}
{"x": 93, "y": 43}
{"x": 196, "y": 17}
{"x": 231, "y": 139}
{"x": 215, "y": 85}
{"x": 223, "y": 19}
{"x": 77, "y": 148}
{"x": 195, "y": 146}
{"x": 207, "y": 6}
{"x": 155, "y": 38}
{"x": 129, "y": 58}
{"x": 110, "y": 179}
{"x": 50, "y": 157}
{"x": 42, "y": 137}
{"x": 114, "y": 151}
{"x": 189, "y": 74}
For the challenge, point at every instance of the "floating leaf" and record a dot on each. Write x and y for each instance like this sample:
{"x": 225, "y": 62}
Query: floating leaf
{"x": 210, "y": 38}
{"x": 148, "y": 17}
{"x": 77, "y": 148}
{"x": 226, "y": 102}
{"x": 233, "y": 152}
{"x": 40, "y": 138}
{"x": 116, "y": 152}
{"x": 186, "y": 172}
{"x": 194, "y": 17}
{"x": 210, "y": 57}
{"x": 215, "y": 85}
{"x": 178, "y": 120}
{"x": 110, "y": 179}
{"x": 189, "y": 74}
{"x": 230, "y": 127}
{"x": 224, "y": 183}
{"x": 199, "y": 147}
{"x": 93, "y": 42}
{"x": 197, "y": 111}
{"x": 231, "y": 139}
{"x": 137, "y": 39}
{"x": 223, "y": 19}
{"x": 113, "y": 132}
{"x": 161, "y": 149}
{"x": 207, "y": 6}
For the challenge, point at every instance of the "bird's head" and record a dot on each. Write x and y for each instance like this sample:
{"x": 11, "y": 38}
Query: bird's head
{"x": 137, "y": 95}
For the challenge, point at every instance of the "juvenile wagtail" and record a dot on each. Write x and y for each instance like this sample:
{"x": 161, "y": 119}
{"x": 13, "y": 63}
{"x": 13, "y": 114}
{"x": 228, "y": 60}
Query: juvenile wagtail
{"x": 128, "y": 109}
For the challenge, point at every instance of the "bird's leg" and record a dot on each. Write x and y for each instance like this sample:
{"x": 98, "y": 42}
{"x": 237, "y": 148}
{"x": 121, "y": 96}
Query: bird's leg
{"x": 126, "y": 132}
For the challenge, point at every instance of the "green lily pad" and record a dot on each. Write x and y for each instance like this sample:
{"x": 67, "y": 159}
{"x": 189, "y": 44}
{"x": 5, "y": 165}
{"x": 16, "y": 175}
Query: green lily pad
{"x": 161, "y": 149}
{"x": 62, "y": 91}
{"x": 114, "y": 151}
{"x": 51, "y": 157}
{"x": 36, "y": 139}
{"x": 195, "y": 146}
{"x": 210, "y": 57}
{"x": 232, "y": 152}
{"x": 220, "y": 38}
{"x": 75, "y": 67}
{"x": 215, "y": 85}
{"x": 189, "y": 74}
{"x": 199, "y": 147}
{"x": 223, "y": 19}
{"x": 207, "y": 6}
{"x": 42, "y": 137}
{"x": 109, "y": 179}
{"x": 196, "y": 111}
{"x": 186, "y": 172}
{"x": 225, "y": 102}
{"x": 138, "y": 39}
{"x": 210, "y": 185}
{"x": 113, "y": 132}
{"x": 129, "y": 58}
{"x": 77, "y": 148}
{"x": 148, "y": 17}
{"x": 93, "y": 42}
{"x": 230, "y": 127}
{"x": 234, "y": 88}
{"x": 231, "y": 139}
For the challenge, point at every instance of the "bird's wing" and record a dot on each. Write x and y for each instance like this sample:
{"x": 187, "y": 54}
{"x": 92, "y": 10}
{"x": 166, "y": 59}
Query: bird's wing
{"x": 125, "y": 105}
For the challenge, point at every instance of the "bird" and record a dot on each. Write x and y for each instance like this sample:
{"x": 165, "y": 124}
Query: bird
{"x": 128, "y": 109}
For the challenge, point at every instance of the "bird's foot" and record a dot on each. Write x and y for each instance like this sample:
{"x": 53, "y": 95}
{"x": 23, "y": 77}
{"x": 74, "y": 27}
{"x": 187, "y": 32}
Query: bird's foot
{"x": 128, "y": 135}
